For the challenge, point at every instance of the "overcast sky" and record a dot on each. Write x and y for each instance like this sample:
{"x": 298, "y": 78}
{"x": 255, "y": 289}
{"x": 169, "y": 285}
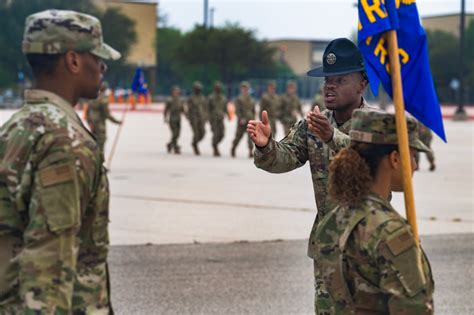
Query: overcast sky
{"x": 276, "y": 19}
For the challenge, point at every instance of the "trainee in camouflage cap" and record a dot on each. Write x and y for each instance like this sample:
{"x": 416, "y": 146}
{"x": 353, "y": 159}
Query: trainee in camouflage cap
{"x": 290, "y": 83}
{"x": 197, "y": 85}
{"x": 175, "y": 88}
{"x": 378, "y": 127}
{"x": 57, "y": 31}
{"x": 245, "y": 83}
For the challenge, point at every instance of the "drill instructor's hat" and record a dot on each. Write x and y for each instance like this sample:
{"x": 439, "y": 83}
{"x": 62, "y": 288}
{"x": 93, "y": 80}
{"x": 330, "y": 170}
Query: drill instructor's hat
{"x": 340, "y": 57}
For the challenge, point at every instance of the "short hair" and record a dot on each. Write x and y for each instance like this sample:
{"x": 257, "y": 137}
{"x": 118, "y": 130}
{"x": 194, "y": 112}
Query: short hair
{"x": 43, "y": 64}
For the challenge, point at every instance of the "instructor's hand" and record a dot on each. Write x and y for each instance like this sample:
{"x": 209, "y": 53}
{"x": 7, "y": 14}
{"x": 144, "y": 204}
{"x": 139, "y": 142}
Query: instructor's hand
{"x": 319, "y": 125}
{"x": 260, "y": 131}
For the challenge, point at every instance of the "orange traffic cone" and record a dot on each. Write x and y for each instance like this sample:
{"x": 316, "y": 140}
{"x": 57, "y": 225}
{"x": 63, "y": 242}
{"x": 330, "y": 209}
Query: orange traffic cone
{"x": 132, "y": 101}
{"x": 111, "y": 97}
{"x": 231, "y": 110}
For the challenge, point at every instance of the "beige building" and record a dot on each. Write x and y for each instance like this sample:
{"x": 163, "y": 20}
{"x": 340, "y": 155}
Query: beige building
{"x": 299, "y": 55}
{"x": 144, "y": 14}
{"x": 448, "y": 22}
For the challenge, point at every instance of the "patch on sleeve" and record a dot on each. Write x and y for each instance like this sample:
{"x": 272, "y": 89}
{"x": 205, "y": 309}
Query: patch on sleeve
{"x": 400, "y": 242}
{"x": 56, "y": 175}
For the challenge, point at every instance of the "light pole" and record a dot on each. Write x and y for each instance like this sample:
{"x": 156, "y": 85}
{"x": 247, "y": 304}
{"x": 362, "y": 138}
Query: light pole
{"x": 212, "y": 17}
{"x": 460, "y": 113}
{"x": 206, "y": 11}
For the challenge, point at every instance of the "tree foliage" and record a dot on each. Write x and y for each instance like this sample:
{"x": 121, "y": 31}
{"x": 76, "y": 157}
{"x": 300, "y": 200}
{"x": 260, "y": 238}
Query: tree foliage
{"x": 12, "y": 21}
{"x": 229, "y": 54}
{"x": 444, "y": 61}
{"x": 168, "y": 71}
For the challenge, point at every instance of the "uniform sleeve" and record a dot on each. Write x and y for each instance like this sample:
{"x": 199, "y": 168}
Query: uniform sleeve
{"x": 47, "y": 265}
{"x": 238, "y": 108}
{"x": 408, "y": 285}
{"x": 91, "y": 294}
{"x": 167, "y": 107}
{"x": 286, "y": 155}
{"x": 108, "y": 114}
{"x": 339, "y": 140}
{"x": 226, "y": 109}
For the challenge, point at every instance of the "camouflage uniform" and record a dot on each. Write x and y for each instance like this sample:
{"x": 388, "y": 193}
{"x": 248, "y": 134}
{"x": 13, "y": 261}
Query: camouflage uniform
{"x": 173, "y": 108}
{"x": 54, "y": 189}
{"x": 217, "y": 111}
{"x": 54, "y": 213}
{"x": 426, "y": 136}
{"x": 197, "y": 115}
{"x": 270, "y": 103}
{"x": 367, "y": 258}
{"x": 245, "y": 111}
{"x": 367, "y": 255}
{"x": 318, "y": 101}
{"x": 97, "y": 113}
{"x": 289, "y": 106}
{"x": 299, "y": 146}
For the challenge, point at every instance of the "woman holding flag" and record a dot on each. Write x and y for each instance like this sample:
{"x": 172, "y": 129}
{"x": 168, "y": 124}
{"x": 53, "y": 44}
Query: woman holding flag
{"x": 367, "y": 253}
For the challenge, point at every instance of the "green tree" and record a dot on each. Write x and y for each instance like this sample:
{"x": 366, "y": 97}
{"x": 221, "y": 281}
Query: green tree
{"x": 443, "y": 50}
{"x": 228, "y": 54}
{"x": 168, "y": 70}
{"x": 12, "y": 19}
{"x": 121, "y": 39}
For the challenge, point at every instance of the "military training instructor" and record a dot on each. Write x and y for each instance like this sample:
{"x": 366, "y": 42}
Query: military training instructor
{"x": 321, "y": 135}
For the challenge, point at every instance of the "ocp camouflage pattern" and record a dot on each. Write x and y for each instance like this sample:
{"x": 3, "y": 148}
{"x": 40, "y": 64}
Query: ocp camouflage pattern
{"x": 53, "y": 212}
{"x": 367, "y": 260}
{"x": 217, "y": 107}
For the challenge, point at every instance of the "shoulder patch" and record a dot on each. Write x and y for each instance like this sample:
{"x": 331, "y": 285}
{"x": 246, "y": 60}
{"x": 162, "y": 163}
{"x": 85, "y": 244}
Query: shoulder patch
{"x": 400, "y": 242}
{"x": 54, "y": 175}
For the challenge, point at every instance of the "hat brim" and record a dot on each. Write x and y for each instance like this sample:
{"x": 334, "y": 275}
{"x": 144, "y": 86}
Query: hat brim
{"x": 319, "y": 72}
{"x": 106, "y": 52}
{"x": 419, "y": 146}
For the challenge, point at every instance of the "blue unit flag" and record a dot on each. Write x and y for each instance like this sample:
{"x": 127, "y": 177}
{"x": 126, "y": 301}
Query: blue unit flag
{"x": 375, "y": 18}
{"x": 139, "y": 84}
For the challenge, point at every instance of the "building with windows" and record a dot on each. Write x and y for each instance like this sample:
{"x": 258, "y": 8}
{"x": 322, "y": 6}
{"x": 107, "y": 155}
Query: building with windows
{"x": 300, "y": 55}
{"x": 446, "y": 22}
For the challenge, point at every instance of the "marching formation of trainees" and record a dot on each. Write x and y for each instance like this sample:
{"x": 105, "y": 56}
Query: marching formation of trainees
{"x": 214, "y": 109}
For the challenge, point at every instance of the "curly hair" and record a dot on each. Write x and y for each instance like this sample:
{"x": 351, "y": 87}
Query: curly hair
{"x": 353, "y": 170}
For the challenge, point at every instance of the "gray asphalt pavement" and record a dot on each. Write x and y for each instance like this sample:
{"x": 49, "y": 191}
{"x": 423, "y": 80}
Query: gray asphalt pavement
{"x": 259, "y": 277}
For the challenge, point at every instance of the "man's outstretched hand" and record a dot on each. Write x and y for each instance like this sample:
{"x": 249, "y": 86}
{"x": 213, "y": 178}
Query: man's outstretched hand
{"x": 260, "y": 131}
{"x": 319, "y": 125}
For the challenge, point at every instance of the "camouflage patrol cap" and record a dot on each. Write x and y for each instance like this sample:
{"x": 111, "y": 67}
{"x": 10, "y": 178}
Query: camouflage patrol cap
{"x": 271, "y": 83}
{"x": 378, "y": 127}
{"x": 197, "y": 85}
{"x": 290, "y": 83}
{"x": 57, "y": 31}
{"x": 175, "y": 88}
{"x": 218, "y": 84}
{"x": 245, "y": 83}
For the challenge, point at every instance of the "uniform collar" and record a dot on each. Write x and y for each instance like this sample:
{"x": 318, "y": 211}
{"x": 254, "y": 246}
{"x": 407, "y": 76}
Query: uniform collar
{"x": 345, "y": 127}
{"x": 376, "y": 198}
{"x": 37, "y": 96}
